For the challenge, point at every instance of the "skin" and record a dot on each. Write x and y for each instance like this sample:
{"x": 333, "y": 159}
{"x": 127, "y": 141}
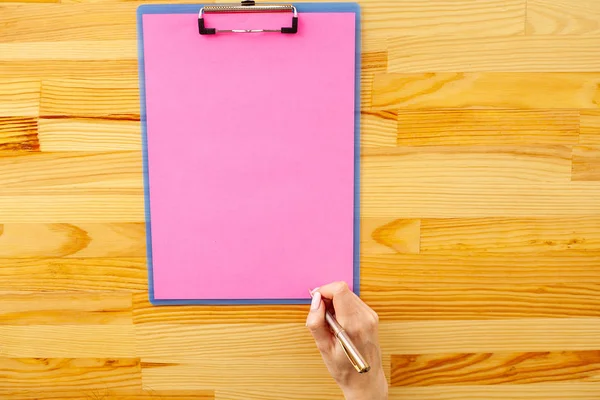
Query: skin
{"x": 361, "y": 323}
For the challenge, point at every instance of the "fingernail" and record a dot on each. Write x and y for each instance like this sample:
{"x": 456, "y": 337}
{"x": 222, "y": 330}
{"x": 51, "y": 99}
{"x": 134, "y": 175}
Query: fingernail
{"x": 316, "y": 302}
{"x": 314, "y": 290}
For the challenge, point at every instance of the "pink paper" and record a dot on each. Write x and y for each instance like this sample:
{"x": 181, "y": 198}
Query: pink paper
{"x": 251, "y": 155}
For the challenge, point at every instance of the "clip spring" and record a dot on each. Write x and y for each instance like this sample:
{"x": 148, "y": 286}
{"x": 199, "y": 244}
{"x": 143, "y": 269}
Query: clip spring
{"x": 245, "y": 7}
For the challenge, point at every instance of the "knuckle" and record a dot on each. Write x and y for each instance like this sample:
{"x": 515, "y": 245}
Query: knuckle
{"x": 372, "y": 320}
{"x": 312, "y": 324}
{"x": 341, "y": 287}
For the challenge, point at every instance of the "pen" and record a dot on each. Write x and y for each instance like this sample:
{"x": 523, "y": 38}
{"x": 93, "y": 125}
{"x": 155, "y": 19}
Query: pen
{"x": 357, "y": 360}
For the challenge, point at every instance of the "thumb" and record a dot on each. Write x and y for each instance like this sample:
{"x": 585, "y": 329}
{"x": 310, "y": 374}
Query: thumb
{"x": 317, "y": 325}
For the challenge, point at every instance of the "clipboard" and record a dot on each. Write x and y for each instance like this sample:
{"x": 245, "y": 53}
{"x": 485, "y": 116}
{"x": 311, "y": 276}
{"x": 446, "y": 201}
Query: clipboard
{"x": 286, "y": 171}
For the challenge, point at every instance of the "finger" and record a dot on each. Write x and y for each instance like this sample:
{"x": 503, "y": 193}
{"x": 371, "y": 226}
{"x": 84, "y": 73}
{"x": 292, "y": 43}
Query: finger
{"x": 345, "y": 301}
{"x": 317, "y": 325}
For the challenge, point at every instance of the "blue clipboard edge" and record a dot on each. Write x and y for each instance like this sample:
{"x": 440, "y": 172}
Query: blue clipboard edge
{"x": 193, "y": 9}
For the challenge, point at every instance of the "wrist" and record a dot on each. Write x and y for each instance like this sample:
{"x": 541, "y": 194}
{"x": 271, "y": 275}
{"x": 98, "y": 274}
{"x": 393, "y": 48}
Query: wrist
{"x": 376, "y": 390}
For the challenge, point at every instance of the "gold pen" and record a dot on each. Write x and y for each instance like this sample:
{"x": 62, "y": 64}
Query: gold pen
{"x": 357, "y": 360}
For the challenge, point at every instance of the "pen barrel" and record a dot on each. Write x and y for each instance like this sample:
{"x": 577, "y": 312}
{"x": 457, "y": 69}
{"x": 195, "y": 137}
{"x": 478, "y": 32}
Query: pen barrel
{"x": 357, "y": 360}
{"x": 335, "y": 326}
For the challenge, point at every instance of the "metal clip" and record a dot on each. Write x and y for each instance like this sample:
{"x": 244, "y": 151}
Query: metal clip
{"x": 244, "y": 7}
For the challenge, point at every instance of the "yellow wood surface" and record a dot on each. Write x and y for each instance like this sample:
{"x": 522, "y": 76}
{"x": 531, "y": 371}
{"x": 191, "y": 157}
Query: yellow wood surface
{"x": 480, "y": 214}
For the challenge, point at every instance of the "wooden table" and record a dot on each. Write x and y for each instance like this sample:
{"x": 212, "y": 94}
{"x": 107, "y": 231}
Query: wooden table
{"x": 480, "y": 214}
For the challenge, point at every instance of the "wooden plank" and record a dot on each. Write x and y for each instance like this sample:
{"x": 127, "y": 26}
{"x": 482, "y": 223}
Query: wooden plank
{"x": 106, "y": 98}
{"x": 70, "y": 240}
{"x": 146, "y": 313}
{"x": 175, "y": 344}
{"x": 68, "y": 341}
{"x": 193, "y": 342}
{"x": 35, "y": 1}
{"x": 462, "y": 164}
{"x": 586, "y": 163}
{"x": 72, "y": 170}
{"x": 91, "y": 21}
{"x": 385, "y": 236}
{"x": 73, "y": 275}
{"x": 519, "y": 335}
{"x": 563, "y": 17}
{"x": 448, "y": 301}
{"x": 475, "y": 199}
{"x": 494, "y": 368}
{"x": 239, "y": 373}
{"x": 73, "y": 69}
{"x": 378, "y": 129}
{"x": 19, "y": 97}
{"x": 524, "y": 235}
{"x": 443, "y": 17}
{"x": 487, "y": 127}
{"x": 19, "y": 134}
{"x": 486, "y": 90}
{"x": 539, "y": 53}
{"x": 366, "y": 90}
{"x": 80, "y": 134}
{"x": 63, "y": 374}
{"x": 590, "y": 127}
{"x": 106, "y": 394}
{"x": 544, "y": 391}
{"x": 288, "y": 392}
{"x": 39, "y": 205}
{"x": 374, "y": 61}
{"x": 70, "y": 50}
{"x": 391, "y": 272}
{"x": 65, "y": 308}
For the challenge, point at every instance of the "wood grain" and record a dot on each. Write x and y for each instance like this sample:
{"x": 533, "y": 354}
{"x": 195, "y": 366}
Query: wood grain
{"x": 378, "y": 129}
{"x": 65, "y": 308}
{"x": 463, "y": 198}
{"x": 91, "y": 134}
{"x": 294, "y": 392}
{"x": 43, "y": 205}
{"x": 70, "y": 50}
{"x": 67, "y": 341}
{"x": 240, "y": 373}
{"x": 517, "y": 53}
{"x": 544, "y": 391}
{"x": 81, "y": 21}
{"x": 443, "y": 17}
{"x": 382, "y": 236}
{"x": 72, "y": 170}
{"x": 73, "y": 274}
{"x": 72, "y": 69}
{"x": 183, "y": 341}
{"x": 19, "y": 134}
{"x": 586, "y": 163}
{"x": 108, "y": 394}
{"x": 470, "y": 90}
{"x": 68, "y": 240}
{"x": 494, "y": 368}
{"x": 448, "y": 301}
{"x": 63, "y": 374}
{"x": 493, "y": 235}
{"x": 517, "y": 335}
{"x": 19, "y": 97}
{"x": 563, "y": 17}
{"x": 467, "y": 269}
{"x": 487, "y": 127}
{"x": 481, "y": 164}
{"x": 109, "y": 99}
{"x": 590, "y": 127}
{"x": 146, "y": 313}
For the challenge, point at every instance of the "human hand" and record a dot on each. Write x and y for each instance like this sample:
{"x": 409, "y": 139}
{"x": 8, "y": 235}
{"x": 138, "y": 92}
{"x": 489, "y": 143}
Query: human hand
{"x": 360, "y": 323}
